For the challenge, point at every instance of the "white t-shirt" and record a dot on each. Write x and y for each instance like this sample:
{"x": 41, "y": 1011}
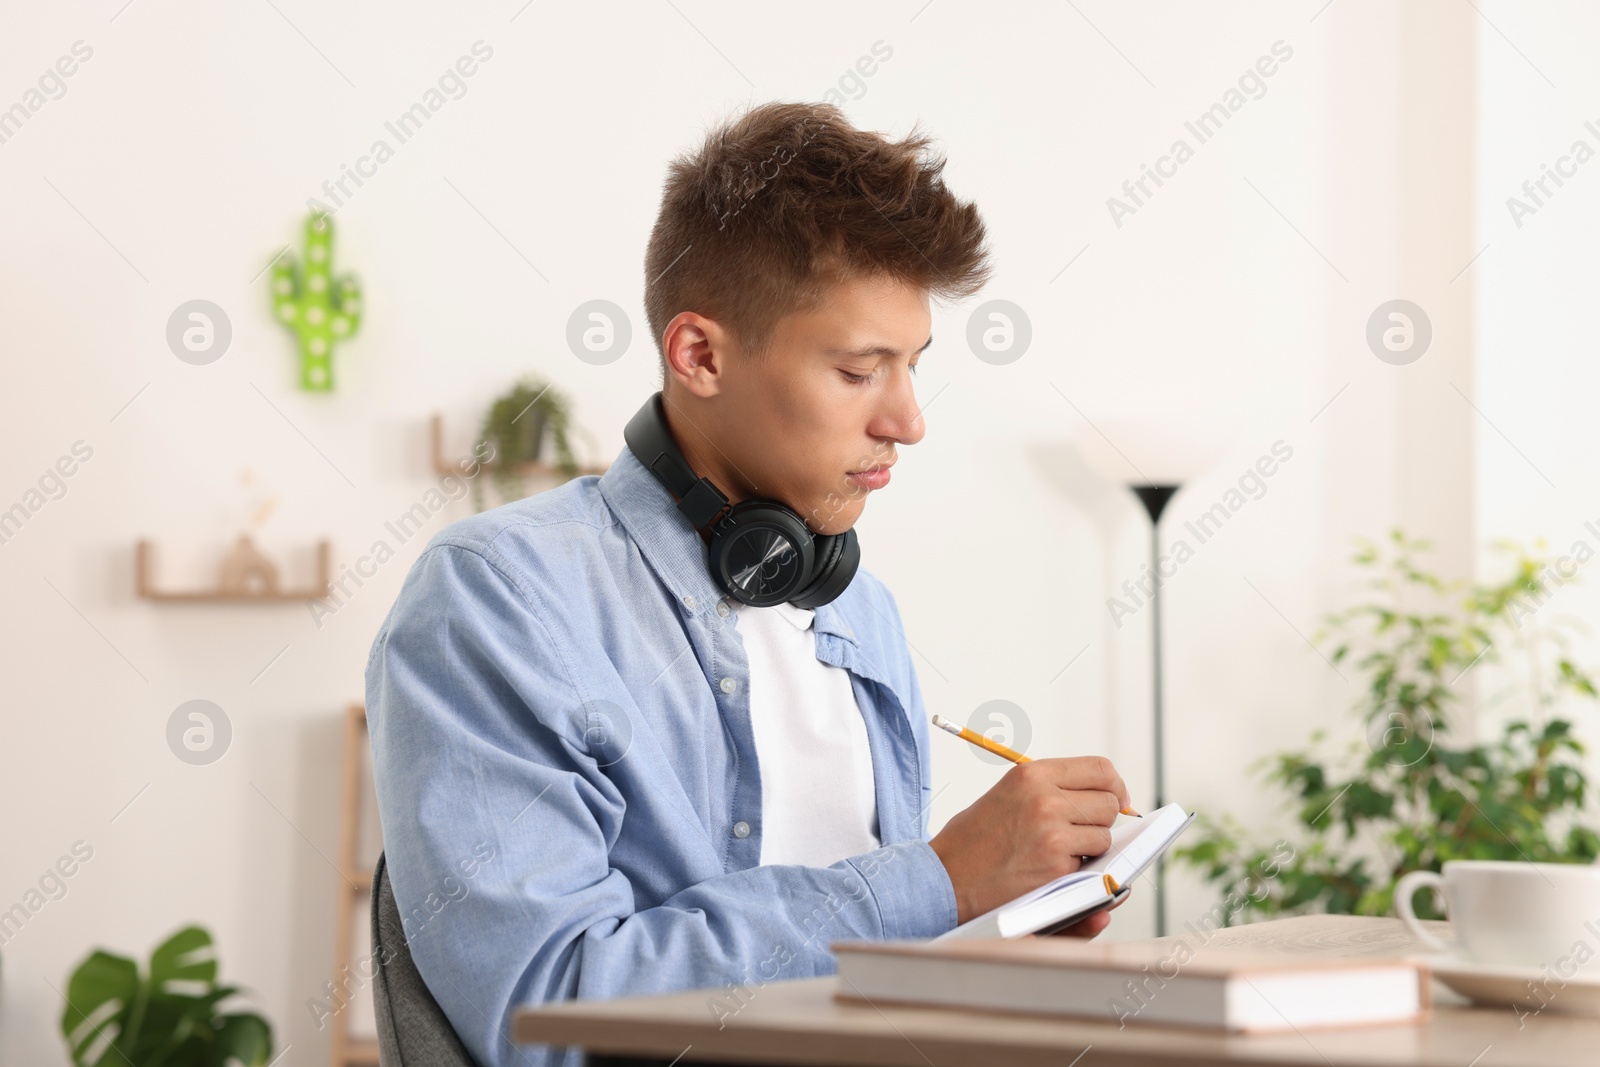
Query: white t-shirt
{"x": 818, "y": 805}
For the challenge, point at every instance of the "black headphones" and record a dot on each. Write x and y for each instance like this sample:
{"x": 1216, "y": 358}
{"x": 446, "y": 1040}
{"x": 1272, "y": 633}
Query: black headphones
{"x": 761, "y": 551}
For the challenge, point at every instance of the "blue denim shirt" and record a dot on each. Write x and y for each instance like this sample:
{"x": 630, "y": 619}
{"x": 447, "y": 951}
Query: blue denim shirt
{"x": 559, "y": 707}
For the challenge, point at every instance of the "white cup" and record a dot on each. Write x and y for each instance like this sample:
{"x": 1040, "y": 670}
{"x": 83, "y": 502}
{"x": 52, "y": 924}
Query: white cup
{"x": 1521, "y": 914}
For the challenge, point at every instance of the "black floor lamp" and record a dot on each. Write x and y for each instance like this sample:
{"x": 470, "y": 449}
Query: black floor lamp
{"x": 1155, "y": 498}
{"x": 1157, "y": 452}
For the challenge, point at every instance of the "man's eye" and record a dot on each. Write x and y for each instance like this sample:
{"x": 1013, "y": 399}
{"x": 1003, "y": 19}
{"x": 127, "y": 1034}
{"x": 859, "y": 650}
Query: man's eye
{"x": 862, "y": 379}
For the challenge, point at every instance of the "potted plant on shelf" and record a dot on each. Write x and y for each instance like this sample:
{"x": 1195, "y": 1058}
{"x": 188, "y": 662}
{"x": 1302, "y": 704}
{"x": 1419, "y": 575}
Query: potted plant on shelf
{"x": 115, "y": 1017}
{"x": 1413, "y": 796}
{"x": 516, "y": 425}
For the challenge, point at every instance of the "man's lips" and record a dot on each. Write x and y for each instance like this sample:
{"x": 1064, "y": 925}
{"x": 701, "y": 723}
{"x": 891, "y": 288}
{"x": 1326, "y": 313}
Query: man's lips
{"x": 872, "y": 477}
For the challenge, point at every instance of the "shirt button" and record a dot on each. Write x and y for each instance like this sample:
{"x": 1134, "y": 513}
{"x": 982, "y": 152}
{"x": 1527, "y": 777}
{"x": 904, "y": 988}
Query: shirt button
{"x": 741, "y": 829}
{"x": 728, "y": 685}
{"x": 722, "y": 608}
{"x": 688, "y": 602}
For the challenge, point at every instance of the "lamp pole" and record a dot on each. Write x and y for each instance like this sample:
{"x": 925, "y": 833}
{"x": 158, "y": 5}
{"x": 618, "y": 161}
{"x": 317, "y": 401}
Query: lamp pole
{"x": 1155, "y": 498}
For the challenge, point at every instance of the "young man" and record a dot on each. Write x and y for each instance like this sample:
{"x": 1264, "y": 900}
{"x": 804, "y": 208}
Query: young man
{"x": 656, "y": 730}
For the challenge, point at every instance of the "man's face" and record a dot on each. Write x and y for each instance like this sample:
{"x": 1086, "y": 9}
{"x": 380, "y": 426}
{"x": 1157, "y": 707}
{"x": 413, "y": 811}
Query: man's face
{"x": 831, "y": 398}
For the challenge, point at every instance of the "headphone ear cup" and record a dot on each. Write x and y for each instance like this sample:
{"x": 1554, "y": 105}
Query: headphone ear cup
{"x": 748, "y": 557}
{"x": 838, "y": 556}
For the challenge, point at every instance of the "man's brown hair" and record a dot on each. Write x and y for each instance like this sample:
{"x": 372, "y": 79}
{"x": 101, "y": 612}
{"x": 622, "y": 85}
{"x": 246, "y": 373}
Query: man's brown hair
{"x": 789, "y": 199}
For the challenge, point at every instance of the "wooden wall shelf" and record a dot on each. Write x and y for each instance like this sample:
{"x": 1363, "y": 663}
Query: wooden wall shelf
{"x": 247, "y": 577}
{"x": 539, "y": 467}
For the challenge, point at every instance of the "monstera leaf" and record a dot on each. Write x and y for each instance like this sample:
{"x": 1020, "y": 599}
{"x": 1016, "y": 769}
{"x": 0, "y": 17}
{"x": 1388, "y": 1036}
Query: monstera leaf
{"x": 116, "y": 1018}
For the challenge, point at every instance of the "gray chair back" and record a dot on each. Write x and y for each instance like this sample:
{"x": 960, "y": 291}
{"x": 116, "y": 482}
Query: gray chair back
{"x": 412, "y": 1029}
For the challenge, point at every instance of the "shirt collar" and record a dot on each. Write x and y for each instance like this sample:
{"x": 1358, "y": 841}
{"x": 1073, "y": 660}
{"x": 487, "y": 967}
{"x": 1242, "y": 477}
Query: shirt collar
{"x": 674, "y": 548}
{"x": 669, "y": 544}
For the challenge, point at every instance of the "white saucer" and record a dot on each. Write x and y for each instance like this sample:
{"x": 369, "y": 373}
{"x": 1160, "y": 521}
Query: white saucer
{"x": 1531, "y": 989}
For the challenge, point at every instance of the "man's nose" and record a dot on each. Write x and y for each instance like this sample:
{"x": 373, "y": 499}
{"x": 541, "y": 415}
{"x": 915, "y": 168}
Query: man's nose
{"x": 900, "y": 418}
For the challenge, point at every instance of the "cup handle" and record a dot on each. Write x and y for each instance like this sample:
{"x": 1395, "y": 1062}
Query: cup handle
{"x": 1403, "y": 892}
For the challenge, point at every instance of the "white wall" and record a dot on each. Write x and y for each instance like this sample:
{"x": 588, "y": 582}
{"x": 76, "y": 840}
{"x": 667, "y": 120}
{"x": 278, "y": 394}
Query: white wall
{"x": 1538, "y": 379}
{"x": 180, "y": 159}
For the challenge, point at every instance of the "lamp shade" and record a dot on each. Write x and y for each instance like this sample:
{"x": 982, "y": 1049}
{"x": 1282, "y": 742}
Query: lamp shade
{"x": 1157, "y": 448}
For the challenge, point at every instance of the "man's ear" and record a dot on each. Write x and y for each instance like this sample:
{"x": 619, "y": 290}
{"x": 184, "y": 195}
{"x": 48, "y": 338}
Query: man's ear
{"x": 696, "y": 350}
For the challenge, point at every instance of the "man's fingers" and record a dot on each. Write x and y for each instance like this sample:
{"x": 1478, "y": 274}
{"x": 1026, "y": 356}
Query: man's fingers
{"x": 1082, "y": 772}
{"x": 1087, "y": 840}
{"x": 1091, "y": 808}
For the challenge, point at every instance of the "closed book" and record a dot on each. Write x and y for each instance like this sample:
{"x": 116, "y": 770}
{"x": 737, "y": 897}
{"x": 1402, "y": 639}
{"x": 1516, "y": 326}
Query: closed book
{"x": 1165, "y": 982}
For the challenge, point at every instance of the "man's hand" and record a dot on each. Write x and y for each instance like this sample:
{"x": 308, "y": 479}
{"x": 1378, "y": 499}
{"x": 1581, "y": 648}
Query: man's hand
{"x": 1086, "y": 928}
{"x": 1090, "y": 927}
{"x": 1029, "y": 829}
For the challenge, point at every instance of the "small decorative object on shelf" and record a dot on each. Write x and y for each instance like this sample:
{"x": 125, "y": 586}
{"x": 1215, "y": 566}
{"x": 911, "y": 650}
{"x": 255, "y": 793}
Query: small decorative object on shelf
{"x": 516, "y": 424}
{"x": 246, "y": 575}
{"x": 168, "y": 1015}
{"x": 319, "y": 310}
{"x": 246, "y": 572}
{"x": 511, "y": 440}
{"x": 444, "y": 466}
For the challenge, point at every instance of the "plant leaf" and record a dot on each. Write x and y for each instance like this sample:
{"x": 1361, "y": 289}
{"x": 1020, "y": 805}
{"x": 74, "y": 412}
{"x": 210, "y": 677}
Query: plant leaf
{"x": 187, "y": 958}
{"x": 245, "y": 1037}
{"x": 101, "y": 996}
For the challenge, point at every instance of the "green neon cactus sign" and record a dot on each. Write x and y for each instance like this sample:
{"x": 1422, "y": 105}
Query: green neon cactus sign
{"x": 318, "y": 309}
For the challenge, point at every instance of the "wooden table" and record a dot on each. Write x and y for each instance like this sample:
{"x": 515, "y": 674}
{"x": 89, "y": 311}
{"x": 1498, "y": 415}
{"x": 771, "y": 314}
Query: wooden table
{"x": 799, "y": 1022}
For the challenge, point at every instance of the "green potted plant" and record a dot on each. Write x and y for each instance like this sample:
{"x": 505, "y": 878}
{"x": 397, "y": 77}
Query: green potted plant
{"x": 116, "y": 1017}
{"x": 1412, "y": 796}
{"x": 516, "y": 425}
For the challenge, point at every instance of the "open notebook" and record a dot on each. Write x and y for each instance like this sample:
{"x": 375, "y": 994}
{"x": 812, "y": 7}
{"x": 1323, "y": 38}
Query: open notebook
{"x": 1098, "y": 884}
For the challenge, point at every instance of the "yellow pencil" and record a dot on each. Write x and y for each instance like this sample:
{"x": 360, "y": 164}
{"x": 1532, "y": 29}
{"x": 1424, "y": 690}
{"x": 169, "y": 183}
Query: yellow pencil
{"x": 994, "y": 746}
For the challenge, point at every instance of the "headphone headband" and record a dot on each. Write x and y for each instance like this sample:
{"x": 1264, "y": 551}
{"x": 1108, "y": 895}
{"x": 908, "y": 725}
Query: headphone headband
{"x": 648, "y": 437}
